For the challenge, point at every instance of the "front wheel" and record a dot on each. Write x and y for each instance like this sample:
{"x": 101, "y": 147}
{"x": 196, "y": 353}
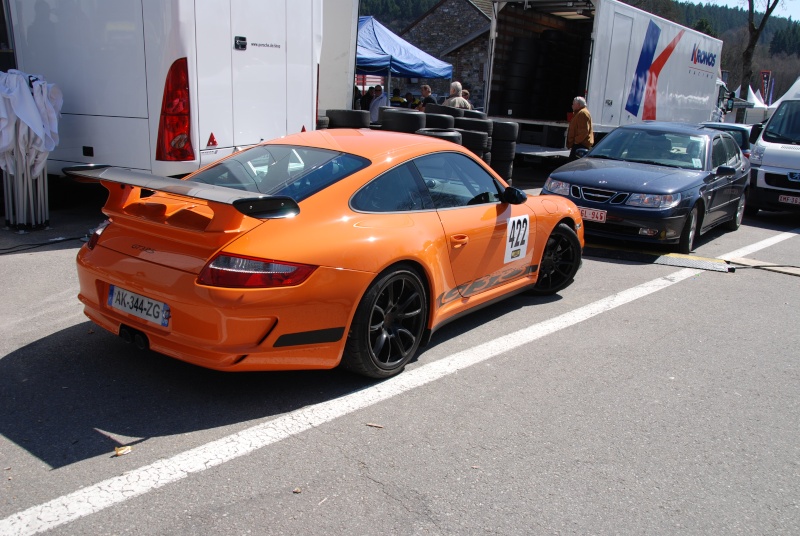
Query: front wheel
{"x": 689, "y": 232}
{"x": 736, "y": 222}
{"x": 560, "y": 261}
{"x": 388, "y": 325}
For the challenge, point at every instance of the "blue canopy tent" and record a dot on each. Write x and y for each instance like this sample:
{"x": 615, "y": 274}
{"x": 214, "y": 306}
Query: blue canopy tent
{"x": 380, "y": 52}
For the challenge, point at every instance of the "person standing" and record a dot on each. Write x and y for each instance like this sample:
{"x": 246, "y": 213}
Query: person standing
{"x": 426, "y": 97}
{"x": 579, "y": 134}
{"x": 375, "y": 106}
{"x": 366, "y": 100}
{"x": 456, "y": 100}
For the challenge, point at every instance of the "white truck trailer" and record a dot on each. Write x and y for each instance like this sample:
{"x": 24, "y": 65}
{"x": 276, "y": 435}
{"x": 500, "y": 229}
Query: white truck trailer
{"x": 630, "y": 66}
{"x": 166, "y": 86}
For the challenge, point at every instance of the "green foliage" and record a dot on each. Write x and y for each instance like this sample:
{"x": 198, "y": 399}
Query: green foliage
{"x": 703, "y": 26}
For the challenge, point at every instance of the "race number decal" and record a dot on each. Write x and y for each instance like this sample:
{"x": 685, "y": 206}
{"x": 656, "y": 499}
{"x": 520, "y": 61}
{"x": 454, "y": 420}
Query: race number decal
{"x": 517, "y": 238}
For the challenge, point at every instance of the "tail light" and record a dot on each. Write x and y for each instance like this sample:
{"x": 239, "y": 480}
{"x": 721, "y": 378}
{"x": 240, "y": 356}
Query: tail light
{"x": 174, "y": 140}
{"x": 746, "y": 153}
{"x": 92, "y": 242}
{"x": 248, "y": 272}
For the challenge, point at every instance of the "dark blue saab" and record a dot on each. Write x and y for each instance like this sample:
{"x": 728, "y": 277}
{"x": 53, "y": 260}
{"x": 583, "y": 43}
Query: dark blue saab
{"x": 657, "y": 182}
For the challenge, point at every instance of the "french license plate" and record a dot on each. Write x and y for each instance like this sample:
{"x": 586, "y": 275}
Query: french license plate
{"x": 593, "y": 215}
{"x": 789, "y": 199}
{"x": 138, "y": 305}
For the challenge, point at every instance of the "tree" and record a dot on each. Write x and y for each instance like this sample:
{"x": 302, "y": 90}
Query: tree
{"x": 753, "y": 32}
{"x": 703, "y": 26}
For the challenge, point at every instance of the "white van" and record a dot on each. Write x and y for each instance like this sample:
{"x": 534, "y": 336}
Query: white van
{"x": 775, "y": 161}
{"x": 166, "y": 86}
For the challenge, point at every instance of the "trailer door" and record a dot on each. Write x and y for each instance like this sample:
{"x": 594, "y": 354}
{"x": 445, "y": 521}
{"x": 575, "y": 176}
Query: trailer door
{"x": 616, "y": 76}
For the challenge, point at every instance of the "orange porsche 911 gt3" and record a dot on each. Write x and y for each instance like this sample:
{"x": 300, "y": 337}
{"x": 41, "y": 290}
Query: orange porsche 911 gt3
{"x": 325, "y": 248}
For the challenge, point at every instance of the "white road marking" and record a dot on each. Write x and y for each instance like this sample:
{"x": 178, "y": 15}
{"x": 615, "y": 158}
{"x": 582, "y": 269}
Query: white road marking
{"x": 93, "y": 499}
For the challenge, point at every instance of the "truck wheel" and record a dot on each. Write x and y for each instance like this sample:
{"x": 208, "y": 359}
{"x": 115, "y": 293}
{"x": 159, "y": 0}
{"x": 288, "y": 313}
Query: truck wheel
{"x": 686, "y": 244}
{"x": 388, "y": 325}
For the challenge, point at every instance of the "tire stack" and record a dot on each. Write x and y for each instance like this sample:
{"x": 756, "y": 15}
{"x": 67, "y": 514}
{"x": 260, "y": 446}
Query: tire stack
{"x": 433, "y": 120}
{"x": 347, "y": 118}
{"x": 448, "y": 134}
{"x": 441, "y": 109}
{"x": 504, "y": 148}
{"x": 555, "y": 83}
{"x": 402, "y": 120}
{"x": 526, "y": 64}
{"x": 476, "y": 135}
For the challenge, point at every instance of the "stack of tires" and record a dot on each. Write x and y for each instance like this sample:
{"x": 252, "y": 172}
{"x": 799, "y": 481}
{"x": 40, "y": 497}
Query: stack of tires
{"x": 476, "y": 135}
{"x": 401, "y": 120}
{"x": 504, "y": 147}
{"x": 347, "y": 118}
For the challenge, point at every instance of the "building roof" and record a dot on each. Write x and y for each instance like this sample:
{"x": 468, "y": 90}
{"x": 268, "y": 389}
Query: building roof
{"x": 484, "y": 5}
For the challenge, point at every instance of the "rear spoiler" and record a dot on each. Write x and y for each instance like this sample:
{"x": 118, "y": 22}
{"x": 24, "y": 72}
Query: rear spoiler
{"x": 254, "y": 205}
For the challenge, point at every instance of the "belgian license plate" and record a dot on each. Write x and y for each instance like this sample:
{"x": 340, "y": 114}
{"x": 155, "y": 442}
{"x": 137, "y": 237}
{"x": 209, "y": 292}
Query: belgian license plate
{"x": 139, "y": 306}
{"x": 593, "y": 215}
{"x": 789, "y": 199}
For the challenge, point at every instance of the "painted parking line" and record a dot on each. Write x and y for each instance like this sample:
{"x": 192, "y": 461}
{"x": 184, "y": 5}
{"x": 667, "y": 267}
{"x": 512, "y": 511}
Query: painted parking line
{"x": 95, "y": 498}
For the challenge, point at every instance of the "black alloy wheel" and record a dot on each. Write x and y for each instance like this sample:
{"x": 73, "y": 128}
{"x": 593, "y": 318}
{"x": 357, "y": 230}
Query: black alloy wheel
{"x": 686, "y": 244}
{"x": 388, "y": 325}
{"x": 560, "y": 261}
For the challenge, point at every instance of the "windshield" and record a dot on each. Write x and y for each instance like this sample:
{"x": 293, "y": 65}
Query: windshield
{"x": 784, "y": 126}
{"x": 655, "y": 147}
{"x": 294, "y": 171}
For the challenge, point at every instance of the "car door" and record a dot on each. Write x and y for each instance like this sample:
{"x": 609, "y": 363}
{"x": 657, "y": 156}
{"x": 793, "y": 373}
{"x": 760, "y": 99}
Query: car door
{"x": 737, "y": 182}
{"x": 488, "y": 241}
{"x": 715, "y": 192}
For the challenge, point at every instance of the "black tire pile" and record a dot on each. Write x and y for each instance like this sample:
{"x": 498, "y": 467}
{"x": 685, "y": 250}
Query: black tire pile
{"x": 492, "y": 141}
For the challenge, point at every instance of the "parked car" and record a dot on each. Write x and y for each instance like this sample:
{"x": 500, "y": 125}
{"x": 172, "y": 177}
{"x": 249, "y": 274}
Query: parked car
{"x": 334, "y": 246}
{"x": 657, "y": 182}
{"x": 740, "y": 133}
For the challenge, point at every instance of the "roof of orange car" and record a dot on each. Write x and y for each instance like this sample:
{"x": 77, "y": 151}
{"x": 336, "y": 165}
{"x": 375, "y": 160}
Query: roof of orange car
{"x": 371, "y": 144}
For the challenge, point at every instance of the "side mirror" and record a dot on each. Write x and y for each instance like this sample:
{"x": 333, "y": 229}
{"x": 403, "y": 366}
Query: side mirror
{"x": 725, "y": 171}
{"x": 580, "y": 153}
{"x": 755, "y": 132}
{"x": 729, "y": 106}
{"x": 513, "y": 196}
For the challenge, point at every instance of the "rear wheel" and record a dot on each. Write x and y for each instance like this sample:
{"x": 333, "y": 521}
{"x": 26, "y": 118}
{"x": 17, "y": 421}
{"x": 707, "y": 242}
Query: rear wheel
{"x": 686, "y": 244}
{"x": 736, "y": 222}
{"x": 560, "y": 261}
{"x": 388, "y": 325}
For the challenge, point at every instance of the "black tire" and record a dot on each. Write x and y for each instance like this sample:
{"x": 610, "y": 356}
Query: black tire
{"x": 403, "y": 120}
{"x": 348, "y": 118}
{"x": 439, "y": 120}
{"x": 505, "y": 130}
{"x": 474, "y": 114}
{"x": 388, "y": 325}
{"x": 442, "y": 109}
{"x": 503, "y": 150}
{"x": 469, "y": 123}
{"x": 473, "y": 140}
{"x": 323, "y": 122}
{"x": 442, "y": 133}
{"x": 736, "y": 222}
{"x": 689, "y": 232}
{"x": 503, "y": 168}
{"x": 560, "y": 261}
{"x": 487, "y": 157}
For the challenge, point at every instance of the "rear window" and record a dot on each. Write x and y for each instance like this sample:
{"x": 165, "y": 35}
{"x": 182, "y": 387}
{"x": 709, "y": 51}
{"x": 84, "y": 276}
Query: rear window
{"x": 294, "y": 171}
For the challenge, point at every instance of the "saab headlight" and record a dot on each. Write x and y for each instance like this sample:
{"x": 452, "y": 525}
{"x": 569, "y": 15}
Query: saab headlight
{"x": 654, "y": 200}
{"x": 556, "y": 187}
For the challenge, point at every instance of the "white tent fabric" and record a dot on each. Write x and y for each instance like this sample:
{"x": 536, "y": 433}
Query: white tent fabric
{"x": 753, "y": 115}
{"x": 29, "y": 109}
{"x": 792, "y": 93}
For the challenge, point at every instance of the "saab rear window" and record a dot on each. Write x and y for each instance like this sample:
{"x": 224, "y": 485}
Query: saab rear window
{"x": 293, "y": 171}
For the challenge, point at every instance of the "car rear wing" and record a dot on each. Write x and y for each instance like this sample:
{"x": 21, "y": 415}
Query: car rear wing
{"x": 258, "y": 206}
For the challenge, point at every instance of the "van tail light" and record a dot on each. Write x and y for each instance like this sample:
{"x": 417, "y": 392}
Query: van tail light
{"x": 233, "y": 271}
{"x": 174, "y": 140}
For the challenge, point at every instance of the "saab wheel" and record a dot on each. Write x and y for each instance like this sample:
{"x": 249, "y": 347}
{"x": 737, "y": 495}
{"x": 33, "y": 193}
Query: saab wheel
{"x": 388, "y": 325}
{"x": 736, "y": 222}
{"x": 689, "y": 232}
{"x": 560, "y": 261}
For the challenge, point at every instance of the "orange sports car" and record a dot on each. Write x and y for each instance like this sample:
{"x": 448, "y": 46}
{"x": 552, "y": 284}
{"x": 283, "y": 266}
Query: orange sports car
{"x": 325, "y": 248}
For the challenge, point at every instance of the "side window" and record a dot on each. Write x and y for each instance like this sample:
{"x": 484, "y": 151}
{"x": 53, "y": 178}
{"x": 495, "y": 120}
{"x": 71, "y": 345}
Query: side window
{"x": 455, "y": 180}
{"x": 719, "y": 156}
{"x": 397, "y": 190}
{"x": 733, "y": 152}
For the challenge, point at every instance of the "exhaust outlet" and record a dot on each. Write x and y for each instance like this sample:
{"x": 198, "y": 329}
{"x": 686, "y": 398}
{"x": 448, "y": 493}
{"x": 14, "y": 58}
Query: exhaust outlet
{"x": 125, "y": 334}
{"x": 140, "y": 341}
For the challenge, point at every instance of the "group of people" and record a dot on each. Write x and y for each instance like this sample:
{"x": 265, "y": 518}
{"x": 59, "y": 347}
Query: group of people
{"x": 374, "y": 97}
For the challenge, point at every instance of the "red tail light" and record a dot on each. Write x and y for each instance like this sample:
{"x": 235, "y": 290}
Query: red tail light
{"x": 174, "y": 140}
{"x": 92, "y": 242}
{"x": 248, "y": 272}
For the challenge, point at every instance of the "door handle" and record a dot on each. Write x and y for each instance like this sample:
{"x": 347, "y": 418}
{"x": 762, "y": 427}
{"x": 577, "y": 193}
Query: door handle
{"x": 459, "y": 240}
